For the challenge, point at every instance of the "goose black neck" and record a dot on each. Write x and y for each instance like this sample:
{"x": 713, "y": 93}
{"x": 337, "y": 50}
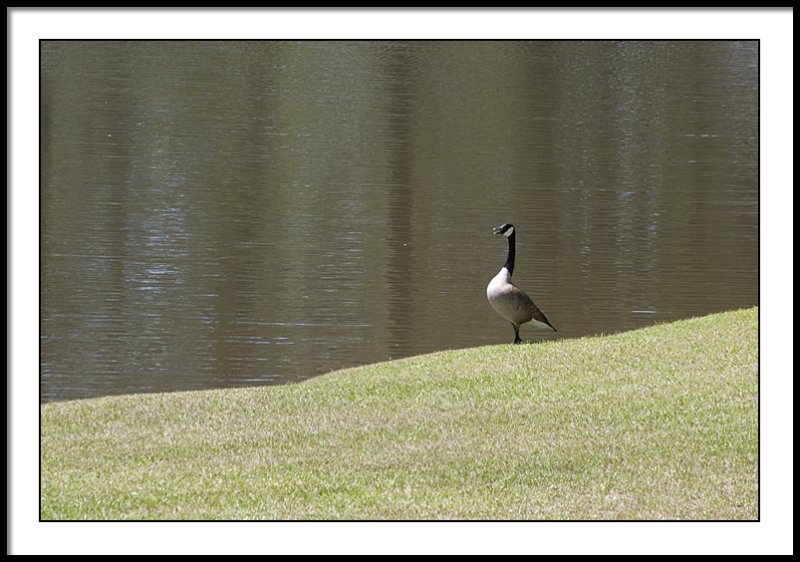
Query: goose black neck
{"x": 511, "y": 253}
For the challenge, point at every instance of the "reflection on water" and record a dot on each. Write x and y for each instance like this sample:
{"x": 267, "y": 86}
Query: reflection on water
{"x": 238, "y": 213}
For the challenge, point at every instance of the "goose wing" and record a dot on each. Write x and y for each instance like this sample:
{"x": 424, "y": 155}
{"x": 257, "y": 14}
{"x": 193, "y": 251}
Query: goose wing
{"x": 523, "y": 303}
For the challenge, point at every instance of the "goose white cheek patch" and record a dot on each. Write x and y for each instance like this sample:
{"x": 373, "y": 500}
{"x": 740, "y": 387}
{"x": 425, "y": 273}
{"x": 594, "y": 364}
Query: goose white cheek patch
{"x": 509, "y": 232}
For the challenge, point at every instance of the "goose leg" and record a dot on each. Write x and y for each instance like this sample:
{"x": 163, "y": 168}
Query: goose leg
{"x": 516, "y": 333}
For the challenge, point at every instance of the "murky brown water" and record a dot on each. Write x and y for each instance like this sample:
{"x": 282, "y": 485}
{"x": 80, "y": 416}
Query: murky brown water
{"x": 242, "y": 213}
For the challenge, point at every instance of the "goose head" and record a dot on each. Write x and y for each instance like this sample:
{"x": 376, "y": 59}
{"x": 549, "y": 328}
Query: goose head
{"x": 505, "y": 229}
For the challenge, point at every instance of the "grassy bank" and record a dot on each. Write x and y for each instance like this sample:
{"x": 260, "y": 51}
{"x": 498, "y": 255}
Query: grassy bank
{"x": 654, "y": 423}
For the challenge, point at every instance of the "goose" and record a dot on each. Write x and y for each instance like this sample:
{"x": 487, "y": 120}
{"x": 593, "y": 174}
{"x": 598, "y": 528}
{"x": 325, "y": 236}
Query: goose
{"x": 507, "y": 299}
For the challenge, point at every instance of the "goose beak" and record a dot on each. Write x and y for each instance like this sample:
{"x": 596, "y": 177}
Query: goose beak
{"x": 496, "y": 230}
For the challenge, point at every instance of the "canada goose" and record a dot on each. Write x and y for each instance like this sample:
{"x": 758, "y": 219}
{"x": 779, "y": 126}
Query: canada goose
{"x": 509, "y": 301}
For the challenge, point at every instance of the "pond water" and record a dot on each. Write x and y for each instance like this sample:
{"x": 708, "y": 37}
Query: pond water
{"x": 218, "y": 214}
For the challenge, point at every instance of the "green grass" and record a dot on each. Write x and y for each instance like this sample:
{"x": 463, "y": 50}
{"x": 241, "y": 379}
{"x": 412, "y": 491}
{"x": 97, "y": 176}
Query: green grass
{"x": 658, "y": 423}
